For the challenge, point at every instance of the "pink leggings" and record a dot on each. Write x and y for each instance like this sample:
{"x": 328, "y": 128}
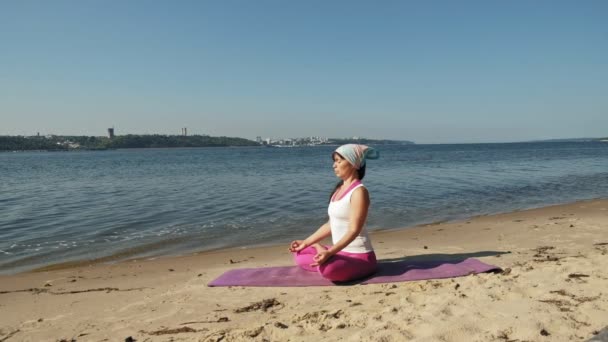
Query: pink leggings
{"x": 343, "y": 266}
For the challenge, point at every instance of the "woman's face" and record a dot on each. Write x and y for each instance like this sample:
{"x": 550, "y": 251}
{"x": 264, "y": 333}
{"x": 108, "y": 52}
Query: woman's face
{"x": 342, "y": 168}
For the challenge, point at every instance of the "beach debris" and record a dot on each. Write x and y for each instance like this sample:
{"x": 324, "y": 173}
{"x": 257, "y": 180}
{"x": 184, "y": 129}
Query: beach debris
{"x": 215, "y": 336}
{"x": 101, "y": 289}
{"x": 556, "y": 218}
{"x": 263, "y": 305}
{"x": 542, "y": 255}
{"x": 254, "y": 332}
{"x": 542, "y": 250}
{"x": 601, "y": 244}
{"x": 34, "y": 290}
{"x": 167, "y": 331}
{"x": 324, "y": 327}
{"x": 9, "y": 335}
{"x": 544, "y": 332}
{"x": 571, "y": 226}
{"x": 457, "y": 286}
{"x": 281, "y": 325}
{"x": 310, "y": 317}
{"x": 341, "y": 326}
{"x": 239, "y": 261}
{"x": 578, "y": 322}
{"x": 318, "y": 316}
{"x": 506, "y": 271}
{"x": 48, "y": 285}
{"x": 219, "y": 320}
{"x": 426, "y": 247}
{"x": 171, "y": 270}
{"x": 580, "y": 300}
{"x": 336, "y": 314}
{"x": 563, "y": 293}
{"x": 130, "y": 339}
{"x": 548, "y": 258}
{"x": 504, "y": 335}
{"x": 562, "y": 305}
{"x": 577, "y": 275}
{"x": 438, "y": 284}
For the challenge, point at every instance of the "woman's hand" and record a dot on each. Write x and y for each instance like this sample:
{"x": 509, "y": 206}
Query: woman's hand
{"x": 321, "y": 257}
{"x": 297, "y": 245}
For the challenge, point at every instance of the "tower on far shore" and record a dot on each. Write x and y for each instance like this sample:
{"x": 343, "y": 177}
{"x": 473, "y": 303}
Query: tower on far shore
{"x": 185, "y": 131}
{"x": 111, "y": 133}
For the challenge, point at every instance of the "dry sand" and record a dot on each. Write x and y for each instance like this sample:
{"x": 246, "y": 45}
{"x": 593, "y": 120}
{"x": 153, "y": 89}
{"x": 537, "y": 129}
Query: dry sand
{"x": 554, "y": 288}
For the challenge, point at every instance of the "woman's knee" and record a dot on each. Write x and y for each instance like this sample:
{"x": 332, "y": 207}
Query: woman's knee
{"x": 345, "y": 271}
{"x": 304, "y": 260}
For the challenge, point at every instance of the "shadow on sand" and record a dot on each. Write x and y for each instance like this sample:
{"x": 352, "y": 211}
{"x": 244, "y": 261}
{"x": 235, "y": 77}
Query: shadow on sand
{"x": 399, "y": 266}
{"x": 442, "y": 258}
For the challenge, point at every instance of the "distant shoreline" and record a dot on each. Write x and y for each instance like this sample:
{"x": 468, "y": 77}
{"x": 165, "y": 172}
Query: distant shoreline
{"x": 68, "y": 143}
{"x": 290, "y": 146}
{"x": 91, "y": 143}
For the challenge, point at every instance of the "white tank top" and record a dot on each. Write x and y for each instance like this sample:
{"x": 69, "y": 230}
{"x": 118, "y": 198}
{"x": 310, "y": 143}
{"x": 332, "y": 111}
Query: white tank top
{"x": 339, "y": 220}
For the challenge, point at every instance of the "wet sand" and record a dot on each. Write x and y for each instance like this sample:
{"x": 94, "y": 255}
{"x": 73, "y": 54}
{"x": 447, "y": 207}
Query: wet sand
{"x": 554, "y": 287}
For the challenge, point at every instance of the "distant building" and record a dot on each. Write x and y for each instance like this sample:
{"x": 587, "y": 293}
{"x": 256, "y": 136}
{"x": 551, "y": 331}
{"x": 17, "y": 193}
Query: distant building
{"x": 111, "y": 133}
{"x": 184, "y": 131}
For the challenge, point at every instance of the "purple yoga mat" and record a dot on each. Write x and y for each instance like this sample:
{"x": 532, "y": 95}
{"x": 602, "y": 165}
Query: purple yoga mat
{"x": 388, "y": 272}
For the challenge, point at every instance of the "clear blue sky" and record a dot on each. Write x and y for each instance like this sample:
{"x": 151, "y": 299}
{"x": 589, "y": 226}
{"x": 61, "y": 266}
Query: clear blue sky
{"x": 428, "y": 71}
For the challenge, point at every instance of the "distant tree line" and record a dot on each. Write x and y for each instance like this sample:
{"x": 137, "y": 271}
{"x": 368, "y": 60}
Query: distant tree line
{"x": 9, "y": 143}
{"x": 58, "y": 143}
{"x": 159, "y": 141}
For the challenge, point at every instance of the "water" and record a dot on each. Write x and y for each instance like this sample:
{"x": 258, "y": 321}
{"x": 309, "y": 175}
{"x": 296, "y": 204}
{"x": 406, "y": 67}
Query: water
{"x": 67, "y": 206}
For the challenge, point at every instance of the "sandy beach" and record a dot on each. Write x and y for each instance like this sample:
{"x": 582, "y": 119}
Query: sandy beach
{"x": 553, "y": 287}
